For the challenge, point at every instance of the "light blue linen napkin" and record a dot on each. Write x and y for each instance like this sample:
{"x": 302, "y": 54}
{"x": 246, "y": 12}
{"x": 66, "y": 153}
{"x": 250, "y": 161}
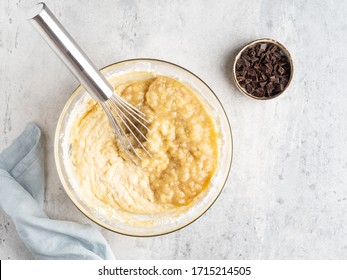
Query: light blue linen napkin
{"x": 22, "y": 181}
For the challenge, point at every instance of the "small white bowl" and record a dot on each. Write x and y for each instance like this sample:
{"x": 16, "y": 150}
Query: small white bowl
{"x": 285, "y": 52}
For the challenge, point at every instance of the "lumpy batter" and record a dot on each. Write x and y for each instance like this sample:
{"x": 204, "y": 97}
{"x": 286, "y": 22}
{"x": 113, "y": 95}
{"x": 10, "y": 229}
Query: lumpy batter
{"x": 182, "y": 141}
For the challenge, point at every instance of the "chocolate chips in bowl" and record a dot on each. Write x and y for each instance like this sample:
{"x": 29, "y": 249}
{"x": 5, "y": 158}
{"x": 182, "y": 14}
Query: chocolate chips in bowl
{"x": 263, "y": 69}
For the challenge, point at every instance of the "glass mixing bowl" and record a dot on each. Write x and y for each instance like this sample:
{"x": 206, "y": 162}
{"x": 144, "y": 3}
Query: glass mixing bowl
{"x": 146, "y": 224}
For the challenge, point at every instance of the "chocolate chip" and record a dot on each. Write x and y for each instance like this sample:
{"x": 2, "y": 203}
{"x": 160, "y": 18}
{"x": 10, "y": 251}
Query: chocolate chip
{"x": 281, "y": 70}
{"x": 246, "y": 62}
{"x": 263, "y": 70}
{"x": 273, "y": 48}
{"x": 262, "y": 47}
{"x": 263, "y": 84}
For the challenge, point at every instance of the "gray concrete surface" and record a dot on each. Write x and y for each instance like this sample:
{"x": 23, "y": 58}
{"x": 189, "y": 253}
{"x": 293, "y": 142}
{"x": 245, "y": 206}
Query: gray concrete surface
{"x": 286, "y": 197}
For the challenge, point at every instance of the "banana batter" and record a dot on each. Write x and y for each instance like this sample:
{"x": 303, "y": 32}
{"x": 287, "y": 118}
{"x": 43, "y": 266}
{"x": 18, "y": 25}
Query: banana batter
{"x": 182, "y": 141}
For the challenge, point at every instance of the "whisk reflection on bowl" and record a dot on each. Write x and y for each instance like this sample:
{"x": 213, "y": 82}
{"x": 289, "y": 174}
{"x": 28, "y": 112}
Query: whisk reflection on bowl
{"x": 124, "y": 118}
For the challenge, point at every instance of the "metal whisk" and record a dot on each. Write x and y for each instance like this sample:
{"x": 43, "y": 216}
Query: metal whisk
{"x": 124, "y": 118}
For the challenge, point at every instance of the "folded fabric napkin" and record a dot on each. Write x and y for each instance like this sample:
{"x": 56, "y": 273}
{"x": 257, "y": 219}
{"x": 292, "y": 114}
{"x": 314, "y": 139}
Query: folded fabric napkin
{"x": 22, "y": 180}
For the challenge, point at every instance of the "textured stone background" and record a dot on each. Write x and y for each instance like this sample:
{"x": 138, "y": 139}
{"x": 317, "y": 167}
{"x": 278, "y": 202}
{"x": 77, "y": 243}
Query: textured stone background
{"x": 286, "y": 197}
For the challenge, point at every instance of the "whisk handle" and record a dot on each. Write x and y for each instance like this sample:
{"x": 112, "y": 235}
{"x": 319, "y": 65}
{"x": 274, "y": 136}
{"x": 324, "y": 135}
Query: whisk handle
{"x": 69, "y": 52}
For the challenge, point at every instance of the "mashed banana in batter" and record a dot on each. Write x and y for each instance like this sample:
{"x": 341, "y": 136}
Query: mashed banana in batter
{"x": 181, "y": 139}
